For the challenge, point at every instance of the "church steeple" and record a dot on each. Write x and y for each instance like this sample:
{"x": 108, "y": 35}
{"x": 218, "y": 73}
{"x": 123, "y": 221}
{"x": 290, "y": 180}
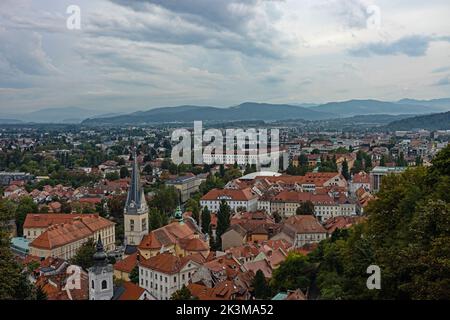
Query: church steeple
{"x": 135, "y": 192}
{"x": 136, "y": 210}
{"x": 101, "y": 275}
{"x": 100, "y": 257}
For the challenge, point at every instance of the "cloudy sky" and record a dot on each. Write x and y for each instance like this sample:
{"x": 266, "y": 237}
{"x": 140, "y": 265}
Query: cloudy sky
{"x": 137, "y": 54}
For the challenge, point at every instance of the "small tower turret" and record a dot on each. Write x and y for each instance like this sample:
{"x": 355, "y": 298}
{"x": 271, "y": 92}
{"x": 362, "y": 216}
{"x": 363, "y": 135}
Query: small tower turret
{"x": 101, "y": 275}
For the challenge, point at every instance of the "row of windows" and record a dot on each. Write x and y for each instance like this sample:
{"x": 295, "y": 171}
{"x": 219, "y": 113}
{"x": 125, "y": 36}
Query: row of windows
{"x": 183, "y": 278}
{"x": 104, "y": 285}
{"x": 143, "y": 224}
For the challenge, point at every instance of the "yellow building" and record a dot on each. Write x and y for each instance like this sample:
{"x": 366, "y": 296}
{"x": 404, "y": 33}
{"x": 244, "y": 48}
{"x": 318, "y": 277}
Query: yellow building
{"x": 64, "y": 240}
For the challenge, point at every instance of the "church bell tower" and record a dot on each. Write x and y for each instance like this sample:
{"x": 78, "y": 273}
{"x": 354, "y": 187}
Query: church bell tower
{"x": 136, "y": 209}
{"x": 101, "y": 275}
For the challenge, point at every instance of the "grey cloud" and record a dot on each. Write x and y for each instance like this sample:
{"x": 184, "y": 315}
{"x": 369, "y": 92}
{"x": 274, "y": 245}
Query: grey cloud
{"x": 273, "y": 80}
{"x": 228, "y": 14}
{"x": 350, "y": 13}
{"x": 353, "y": 13}
{"x": 412, "y": 46}
{"x": 443, "y": 82}
{"x": 23, "y": 52}
{"x": 441, "y": 69}
{"x": 236, "y": 25}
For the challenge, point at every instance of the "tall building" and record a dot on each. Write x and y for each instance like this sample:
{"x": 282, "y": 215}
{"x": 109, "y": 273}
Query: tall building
{"x": 101, "y": 275}
{"x": 379, "y": 172}
{"x": 136, "y": 209}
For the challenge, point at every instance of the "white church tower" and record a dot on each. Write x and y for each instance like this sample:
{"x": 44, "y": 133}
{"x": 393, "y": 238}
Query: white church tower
{"x": 101, "y": 275}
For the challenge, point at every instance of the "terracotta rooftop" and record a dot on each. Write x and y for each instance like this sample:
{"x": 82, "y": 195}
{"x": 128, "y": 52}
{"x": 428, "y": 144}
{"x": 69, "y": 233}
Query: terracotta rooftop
{"x": 170, "y": 235}
{"x": 127, "y": 265}
{"x": 361, "y": 177}
{"x": 73, "y": 230}
{"x": 130, "y": 291}
{"x": 305, "y": 224}
{"x": 44, "y": 220}
{"x": 294, "y": 196}
{"x": 232, "y": 194}
{"x": 168, "y": 263}
{"x": 194, "y": 244}
{"x": 224, "y": 290}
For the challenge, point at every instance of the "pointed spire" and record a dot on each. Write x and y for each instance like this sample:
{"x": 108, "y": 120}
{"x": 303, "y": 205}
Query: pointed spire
{"x": 135, "y": 192}
{"x": 178, "y": 215}
{"x": 100, "y": 257}
{"x": 99, "y": 245}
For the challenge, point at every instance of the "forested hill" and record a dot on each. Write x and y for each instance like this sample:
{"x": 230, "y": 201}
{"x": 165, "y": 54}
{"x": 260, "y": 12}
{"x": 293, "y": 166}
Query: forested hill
{"x": 436, "y": 121}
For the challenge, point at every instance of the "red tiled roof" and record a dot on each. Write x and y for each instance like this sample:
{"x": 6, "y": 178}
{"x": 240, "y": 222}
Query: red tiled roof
{"x": 233, "y": 194}
{"x": 168, "y": 263}
{"x": 44, "y": 220}
{"x": 127, "y": 264}
{"x": 361, "y": 177}
{"x": 262, "y": 265}
{"x": 61, "y": 234}
{"x": 167, "y": 235}
{"x": 90, "y": 200}
{"x": 294, "y": 196}
{"x": 305, "y": 224}
{"x": 194, "y": 244}
{"x": 132, "y": 291}
{"x": 224, "y": 290}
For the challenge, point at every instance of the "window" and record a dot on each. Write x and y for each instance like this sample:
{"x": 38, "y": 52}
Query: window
{"x": 144, "y": 224}
{"x": 92, "y": 284}
{"x": 104, "y": 285}
{"x": 131, "y": 225}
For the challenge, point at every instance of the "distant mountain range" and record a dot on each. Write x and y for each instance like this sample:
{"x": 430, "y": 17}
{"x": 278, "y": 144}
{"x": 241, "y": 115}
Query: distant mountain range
{"x": 274, "y": 112}
{"x": 436, "y": 121}
{"x": 363, "y": 107}
{"x": 53, "y": 115}
{"x": 245, "y": 111}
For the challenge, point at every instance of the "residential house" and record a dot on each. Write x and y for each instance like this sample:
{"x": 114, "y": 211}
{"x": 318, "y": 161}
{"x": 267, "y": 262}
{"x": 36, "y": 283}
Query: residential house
{"x": 166, "y": 273}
